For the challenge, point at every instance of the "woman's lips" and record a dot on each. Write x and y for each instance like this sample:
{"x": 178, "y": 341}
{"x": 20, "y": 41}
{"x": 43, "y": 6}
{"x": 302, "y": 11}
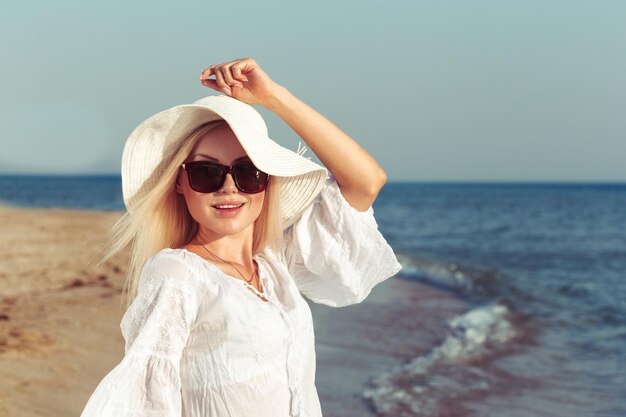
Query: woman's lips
{"x": 228, "y": 211}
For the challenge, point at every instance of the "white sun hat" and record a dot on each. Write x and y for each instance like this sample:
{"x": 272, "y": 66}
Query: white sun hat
{"x": 142, "y": 160}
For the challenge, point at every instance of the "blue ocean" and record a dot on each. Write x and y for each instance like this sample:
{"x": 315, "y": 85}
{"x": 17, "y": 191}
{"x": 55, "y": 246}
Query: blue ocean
{"x": 542, "y": 265}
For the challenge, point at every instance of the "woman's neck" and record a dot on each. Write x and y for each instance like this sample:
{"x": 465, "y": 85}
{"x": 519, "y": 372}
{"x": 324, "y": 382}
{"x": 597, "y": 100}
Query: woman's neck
{"x": 235, "y": 248}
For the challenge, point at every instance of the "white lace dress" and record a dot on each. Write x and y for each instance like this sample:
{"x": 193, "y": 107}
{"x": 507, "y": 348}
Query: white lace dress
{"x": 200, "y": 343}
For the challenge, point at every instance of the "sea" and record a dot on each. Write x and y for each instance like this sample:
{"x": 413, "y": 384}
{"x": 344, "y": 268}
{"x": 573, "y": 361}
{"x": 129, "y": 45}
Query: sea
{"x": 541, "y": 265}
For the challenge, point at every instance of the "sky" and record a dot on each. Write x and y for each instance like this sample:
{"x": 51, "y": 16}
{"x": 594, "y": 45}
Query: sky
{"x": 433, "y": 90}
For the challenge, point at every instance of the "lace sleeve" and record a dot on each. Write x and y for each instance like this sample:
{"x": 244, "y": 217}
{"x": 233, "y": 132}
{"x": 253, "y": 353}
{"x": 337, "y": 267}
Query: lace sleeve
{"x": 156, "y": 327}
{"x": 335, "y": 253}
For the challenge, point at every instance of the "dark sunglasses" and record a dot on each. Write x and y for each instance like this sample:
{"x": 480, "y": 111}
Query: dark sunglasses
{"x": 208, "y": 177}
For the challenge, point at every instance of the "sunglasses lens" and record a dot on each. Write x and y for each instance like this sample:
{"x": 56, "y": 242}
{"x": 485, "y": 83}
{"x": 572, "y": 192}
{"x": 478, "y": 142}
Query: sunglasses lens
{"x": 205, "y": 178}
{"x": 250, "y": 179}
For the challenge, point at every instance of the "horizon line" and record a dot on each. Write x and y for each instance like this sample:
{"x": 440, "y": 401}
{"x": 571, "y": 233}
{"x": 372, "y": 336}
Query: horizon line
{"x": 389, "y": 181}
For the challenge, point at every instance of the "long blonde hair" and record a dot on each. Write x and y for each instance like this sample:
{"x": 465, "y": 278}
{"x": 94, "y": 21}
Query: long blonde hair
{"x": 161, "y": 218}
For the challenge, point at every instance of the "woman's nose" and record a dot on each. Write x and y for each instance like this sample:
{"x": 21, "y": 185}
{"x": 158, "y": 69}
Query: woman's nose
{"x": 229, "y": 184}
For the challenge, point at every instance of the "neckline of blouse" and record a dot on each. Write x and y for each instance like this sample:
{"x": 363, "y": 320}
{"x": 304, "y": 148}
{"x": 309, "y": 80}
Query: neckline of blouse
{"x": 257, "y": 258}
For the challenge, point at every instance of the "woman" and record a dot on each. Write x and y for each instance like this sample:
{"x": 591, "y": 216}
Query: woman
{"x": 228, "y": 231}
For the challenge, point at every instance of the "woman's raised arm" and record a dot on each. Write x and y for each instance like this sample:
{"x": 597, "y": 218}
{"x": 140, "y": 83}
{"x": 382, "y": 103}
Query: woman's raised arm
{"x": 358, "y": 175}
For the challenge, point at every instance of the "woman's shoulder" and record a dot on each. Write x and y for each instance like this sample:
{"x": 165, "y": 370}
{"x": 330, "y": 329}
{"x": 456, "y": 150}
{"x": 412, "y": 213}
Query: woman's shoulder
{"x": 185, "y": 256}
{"x": 171, "y": 256}
{"x": 174, "y": 263}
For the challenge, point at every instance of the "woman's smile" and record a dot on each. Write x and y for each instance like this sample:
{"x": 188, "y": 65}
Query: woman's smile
{"x": 228, "y": 209}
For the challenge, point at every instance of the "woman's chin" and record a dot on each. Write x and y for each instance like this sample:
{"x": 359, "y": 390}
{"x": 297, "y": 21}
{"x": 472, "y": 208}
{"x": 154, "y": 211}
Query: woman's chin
{"x": 226, "y": 227}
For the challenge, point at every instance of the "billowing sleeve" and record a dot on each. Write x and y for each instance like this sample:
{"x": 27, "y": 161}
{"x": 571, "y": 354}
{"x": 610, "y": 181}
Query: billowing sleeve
{"x": 335, "y": 253}
{"x": 155, "y": 327}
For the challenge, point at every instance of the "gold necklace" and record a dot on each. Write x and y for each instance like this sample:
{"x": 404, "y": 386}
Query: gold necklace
{"x": 223, "y": 260}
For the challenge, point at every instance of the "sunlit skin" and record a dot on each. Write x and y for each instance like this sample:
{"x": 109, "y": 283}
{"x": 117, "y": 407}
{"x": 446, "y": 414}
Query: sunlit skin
{"x": 230, "y": 238}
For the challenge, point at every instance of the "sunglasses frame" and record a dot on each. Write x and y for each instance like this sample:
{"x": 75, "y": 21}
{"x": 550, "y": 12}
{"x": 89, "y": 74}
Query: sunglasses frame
{"x": 226, "y": 169}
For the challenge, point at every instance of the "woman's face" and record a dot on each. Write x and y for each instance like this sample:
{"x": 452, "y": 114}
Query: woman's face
{"x": 220, "y": 145}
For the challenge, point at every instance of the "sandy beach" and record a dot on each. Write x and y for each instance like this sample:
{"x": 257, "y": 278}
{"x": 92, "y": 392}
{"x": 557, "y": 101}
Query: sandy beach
{"x": 60, "y": 315}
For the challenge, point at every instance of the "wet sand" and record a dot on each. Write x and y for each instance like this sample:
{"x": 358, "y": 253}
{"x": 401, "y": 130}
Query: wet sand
{"x": 60, "y": 316}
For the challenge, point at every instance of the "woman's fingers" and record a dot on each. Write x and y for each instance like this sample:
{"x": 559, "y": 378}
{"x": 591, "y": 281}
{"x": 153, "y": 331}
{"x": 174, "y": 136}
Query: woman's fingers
{"x": 211, "y": 83}
{"x": 240, "y": 78}
{"x": 228, "y": 76}
{"x": 223, "y": 77}
{"x": 231, "y": 72}
{"x": 206, "y": 73}
{"x": 216, "y": 84}
{"x": 219, "y": 79}
{"x": 236, "y": 70}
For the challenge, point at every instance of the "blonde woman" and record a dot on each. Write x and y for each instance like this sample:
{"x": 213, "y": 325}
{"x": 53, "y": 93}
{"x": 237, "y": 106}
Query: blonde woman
{"x": 228, "y": 231}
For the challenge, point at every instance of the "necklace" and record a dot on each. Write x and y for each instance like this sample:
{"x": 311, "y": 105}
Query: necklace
{"x": 223, "y": 260}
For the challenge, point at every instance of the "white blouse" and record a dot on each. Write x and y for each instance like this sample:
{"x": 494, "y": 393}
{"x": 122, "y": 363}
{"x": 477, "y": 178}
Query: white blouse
{"x": 201, "y": 343}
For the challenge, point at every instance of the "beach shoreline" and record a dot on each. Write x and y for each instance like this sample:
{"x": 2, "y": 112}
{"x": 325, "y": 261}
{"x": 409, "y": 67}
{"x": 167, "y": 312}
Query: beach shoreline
{"x": 60, "y": 316}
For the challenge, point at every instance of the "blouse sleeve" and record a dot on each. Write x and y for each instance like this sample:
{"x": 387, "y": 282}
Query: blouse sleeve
{"x": 155, "y": 327}
{"x": 335, "y": 253}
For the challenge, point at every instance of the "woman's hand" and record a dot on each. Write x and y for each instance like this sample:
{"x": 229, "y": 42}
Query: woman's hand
{"x": 242, "y": 79}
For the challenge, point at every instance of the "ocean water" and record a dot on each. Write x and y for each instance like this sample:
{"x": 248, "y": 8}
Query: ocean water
{"x": 542, "y": 265}
{"x": 79, "y": 192}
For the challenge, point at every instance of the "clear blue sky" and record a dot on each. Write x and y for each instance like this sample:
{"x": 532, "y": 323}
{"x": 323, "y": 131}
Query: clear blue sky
{"x": 466, "y": 90}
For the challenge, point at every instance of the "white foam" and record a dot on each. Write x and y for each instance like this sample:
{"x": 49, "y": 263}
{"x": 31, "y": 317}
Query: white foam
{"x": 418, "y": 387}
{"x": 448, "y": 275}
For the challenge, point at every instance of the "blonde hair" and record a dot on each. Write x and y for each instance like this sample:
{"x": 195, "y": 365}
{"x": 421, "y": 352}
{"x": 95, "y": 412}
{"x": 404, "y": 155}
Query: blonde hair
{"x": 161, "y": 218}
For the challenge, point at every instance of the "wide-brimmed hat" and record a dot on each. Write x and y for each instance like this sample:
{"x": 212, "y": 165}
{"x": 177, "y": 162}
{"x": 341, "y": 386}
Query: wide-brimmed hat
{"x": 156, "y": 137}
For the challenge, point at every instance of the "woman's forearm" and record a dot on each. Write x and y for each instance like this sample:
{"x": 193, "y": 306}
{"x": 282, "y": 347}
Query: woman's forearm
{"x": 358, "y": 175}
